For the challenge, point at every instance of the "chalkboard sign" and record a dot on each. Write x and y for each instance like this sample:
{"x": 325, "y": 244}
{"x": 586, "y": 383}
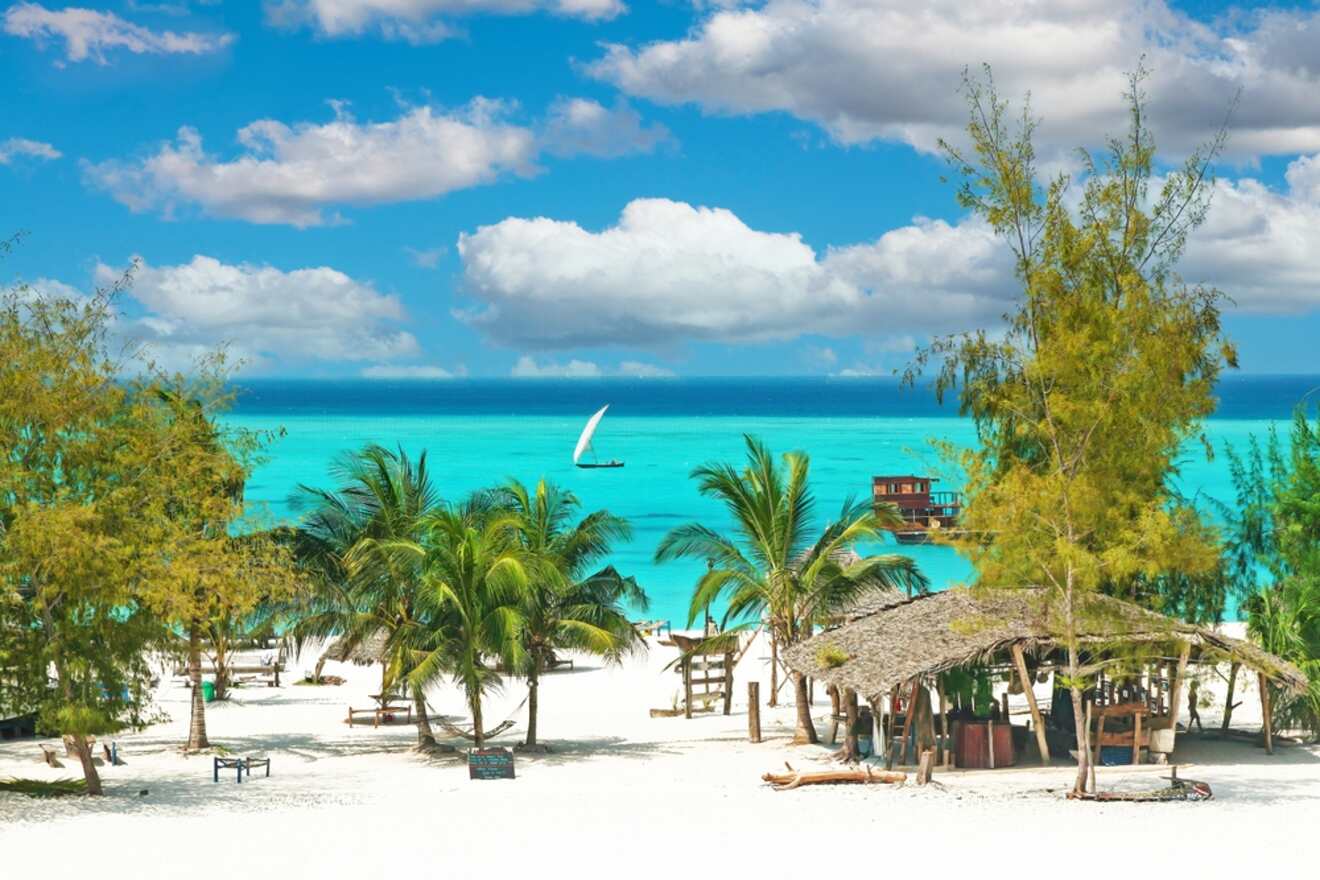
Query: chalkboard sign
{"x": 490, "y": 764}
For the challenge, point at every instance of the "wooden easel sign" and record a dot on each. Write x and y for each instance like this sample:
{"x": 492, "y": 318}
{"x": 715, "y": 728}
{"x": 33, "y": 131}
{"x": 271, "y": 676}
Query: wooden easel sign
{"x": 496, "y": 763}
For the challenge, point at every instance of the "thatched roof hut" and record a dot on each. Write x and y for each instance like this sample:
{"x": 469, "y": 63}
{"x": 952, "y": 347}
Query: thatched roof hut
{"x": 933, "y": 633}
{"x": 367, "y": 652}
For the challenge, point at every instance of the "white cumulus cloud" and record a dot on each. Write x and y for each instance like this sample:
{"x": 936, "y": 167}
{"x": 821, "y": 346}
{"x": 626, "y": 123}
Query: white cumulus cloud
{"x": 1260, "y": 245}
{"x": 16, "y": 147}
{"x": 419, "y": 21}
{"x": 889, "y": 69}
{"x": 291, "y": 174}
{"x": 668, "y": 272}
{"x": 91, "y": 34}
{"x": 266, "y": 315}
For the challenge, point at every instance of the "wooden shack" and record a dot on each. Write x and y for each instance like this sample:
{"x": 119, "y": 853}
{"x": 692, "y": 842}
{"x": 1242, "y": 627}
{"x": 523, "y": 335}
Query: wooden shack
{"x": 922, "y": 509}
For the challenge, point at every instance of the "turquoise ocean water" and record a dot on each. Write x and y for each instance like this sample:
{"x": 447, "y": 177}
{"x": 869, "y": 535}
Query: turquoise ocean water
{"x": 480, "y": 432}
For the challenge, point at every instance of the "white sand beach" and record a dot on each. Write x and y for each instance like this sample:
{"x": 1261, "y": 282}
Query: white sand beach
{"x": 623, "y": 793}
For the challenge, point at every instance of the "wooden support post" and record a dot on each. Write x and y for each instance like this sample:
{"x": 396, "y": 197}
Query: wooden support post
{"x": 990, "y": 743}
{"x": 944, "y": 747}
{"x": 728, "y": 683}
{"x": 687, "y": 687}
{"x": 850, "y": 735}
{"x": 754, "y": 711}
{"x": 1020, "y": 661}
{"x": 1003, "y": 711}
{"x": 907, "y": 722}
{"x": 1175, "y": 694}
{"x": 891, "y": 745}
{"x": 1136, "y": 738}
{"x": 1228, "y": 700}
{"x": 924, "y": 766}
{"x": 835, "y": 710}
{"x": 1265, "y": 710}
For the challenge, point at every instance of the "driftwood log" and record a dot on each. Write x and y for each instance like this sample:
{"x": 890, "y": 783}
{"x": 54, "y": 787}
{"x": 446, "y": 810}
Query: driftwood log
{"x": 795, "y": 778}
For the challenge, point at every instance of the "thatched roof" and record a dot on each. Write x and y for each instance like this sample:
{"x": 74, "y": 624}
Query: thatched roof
{"x": 367, "y": 652}
{"x": 960, "y": 627}
{"x": 873, "y": 602}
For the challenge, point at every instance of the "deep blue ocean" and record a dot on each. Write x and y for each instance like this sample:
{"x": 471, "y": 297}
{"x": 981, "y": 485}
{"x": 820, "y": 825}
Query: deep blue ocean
{"x": 479, "y": 432}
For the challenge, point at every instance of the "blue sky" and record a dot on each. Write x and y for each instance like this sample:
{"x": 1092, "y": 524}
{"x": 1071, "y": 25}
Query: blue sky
{"x": 434, "y": 188}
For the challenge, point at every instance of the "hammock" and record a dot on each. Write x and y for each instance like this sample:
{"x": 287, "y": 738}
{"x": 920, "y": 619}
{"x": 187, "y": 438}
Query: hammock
{"x": 455, "y": 730}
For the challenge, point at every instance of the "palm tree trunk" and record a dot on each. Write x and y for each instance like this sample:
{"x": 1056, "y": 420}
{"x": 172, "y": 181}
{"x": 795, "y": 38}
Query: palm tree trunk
{"x": 425, "y": 736}
{"x": 774, "y": 669}
{"x": 88, "y": 765}
{"x": 478, "y": 735}
{"x": 221, "y": 670}
{"x": 806, "y": 731}
{"x": 533, "y": 690}
{"x": 197, "y": 724}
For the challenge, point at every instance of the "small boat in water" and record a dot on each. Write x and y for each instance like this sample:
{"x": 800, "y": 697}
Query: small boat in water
{"x": 924, "y": 513}
{"x": 584, "y": 443}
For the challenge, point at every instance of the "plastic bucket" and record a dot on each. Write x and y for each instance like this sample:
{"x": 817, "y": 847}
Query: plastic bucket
{"x": 208, "y": 691}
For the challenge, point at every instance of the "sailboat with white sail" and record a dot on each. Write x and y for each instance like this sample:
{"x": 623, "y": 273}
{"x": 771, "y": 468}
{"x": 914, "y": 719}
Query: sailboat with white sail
{"x": 584, "y": 444}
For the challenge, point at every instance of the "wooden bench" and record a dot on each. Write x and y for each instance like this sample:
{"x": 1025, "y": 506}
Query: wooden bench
{"x": 240, "y": 765}
{"x": 379, "y": 713}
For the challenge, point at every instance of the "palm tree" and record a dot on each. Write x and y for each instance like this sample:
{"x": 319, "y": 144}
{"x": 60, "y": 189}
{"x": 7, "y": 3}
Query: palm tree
{"x": 770, "y": 569}
{"x": 367, "y": 591}
{"x": 564, "y": 607}
{"x": 474, "y": 578}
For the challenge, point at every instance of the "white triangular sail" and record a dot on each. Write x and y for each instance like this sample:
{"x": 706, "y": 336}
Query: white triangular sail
{"x": 585, "y": 440}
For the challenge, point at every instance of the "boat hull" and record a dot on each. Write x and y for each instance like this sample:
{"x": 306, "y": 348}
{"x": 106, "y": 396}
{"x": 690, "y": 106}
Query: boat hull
{"x": 605, "y": 464}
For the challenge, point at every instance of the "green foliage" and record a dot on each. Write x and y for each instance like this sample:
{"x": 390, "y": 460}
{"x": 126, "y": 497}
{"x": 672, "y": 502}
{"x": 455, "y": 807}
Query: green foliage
{"x": 831, "y": 657}
{"x": 41, "y": 788}
{"x": 566, "y": 605}
{"x": 1274, "y": 530}
{"x": 771, "y": 566}
{"x": 1105, "y": 367}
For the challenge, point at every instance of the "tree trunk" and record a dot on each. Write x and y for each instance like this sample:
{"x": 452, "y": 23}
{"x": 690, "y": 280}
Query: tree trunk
{"x": 806, "y": 731}
{"x": 1079, "y": 718}
{"x": 88, "y": 766}
{"x": 533, "y": 690}
{"x": 221, "y": 671}
{"x": 425, "y": 736}
{"x": 1228, "y": 700}
{"x": 774, "y": 669}
{"x": 197, "y": 725}
{"x": 478, "y": 735}
{"x": 850, "y": 739}
{"x": 316, "y": 673}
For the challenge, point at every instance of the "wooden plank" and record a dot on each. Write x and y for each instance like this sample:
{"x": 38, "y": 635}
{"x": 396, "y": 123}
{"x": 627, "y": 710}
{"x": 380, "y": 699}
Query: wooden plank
{"x": 754, "y": 711}
{"x": 1020, "y": 661}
